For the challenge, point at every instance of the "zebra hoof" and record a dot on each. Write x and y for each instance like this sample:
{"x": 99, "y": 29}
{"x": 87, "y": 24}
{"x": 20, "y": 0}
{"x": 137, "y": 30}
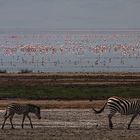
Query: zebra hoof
{"x": 96, "y": 126}
{"x": 111, "y": 127}
{"x": 128, "y": 127}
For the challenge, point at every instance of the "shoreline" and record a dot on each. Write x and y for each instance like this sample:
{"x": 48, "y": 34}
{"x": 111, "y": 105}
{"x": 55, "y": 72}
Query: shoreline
{"x": 70, "y": 79}
{"x": 73, "y": 80}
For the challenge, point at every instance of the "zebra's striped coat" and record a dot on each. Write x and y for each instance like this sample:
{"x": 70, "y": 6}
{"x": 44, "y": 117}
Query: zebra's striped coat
{"x": 19, "y": 109}
{"x": 123, "y": 106}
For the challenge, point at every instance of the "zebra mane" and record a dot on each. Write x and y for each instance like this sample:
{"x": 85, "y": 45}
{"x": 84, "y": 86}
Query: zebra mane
{"x": 134, "y": 99}
{"x": 129, "y": 98}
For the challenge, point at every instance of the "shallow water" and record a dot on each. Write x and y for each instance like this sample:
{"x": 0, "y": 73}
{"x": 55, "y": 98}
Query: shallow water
{"x": 70, "y": 51}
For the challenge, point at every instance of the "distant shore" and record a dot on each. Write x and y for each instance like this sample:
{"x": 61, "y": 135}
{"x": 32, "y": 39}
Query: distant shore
{"x": 71, "y": 79}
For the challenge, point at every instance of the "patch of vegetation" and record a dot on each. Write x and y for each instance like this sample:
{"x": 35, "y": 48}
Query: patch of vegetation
{"x": 67, "y": 93}
{"x": 26, "y": 71}
{"x": 3, "y": 71}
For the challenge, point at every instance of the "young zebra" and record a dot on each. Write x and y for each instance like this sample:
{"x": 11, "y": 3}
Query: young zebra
{"x": 19, "y": 109}
{"x": 123, "y": 106}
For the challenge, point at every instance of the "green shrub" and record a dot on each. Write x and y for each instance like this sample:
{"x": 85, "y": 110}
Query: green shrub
{"x": 3, "y": 71}
{"x": 26, "y": 71}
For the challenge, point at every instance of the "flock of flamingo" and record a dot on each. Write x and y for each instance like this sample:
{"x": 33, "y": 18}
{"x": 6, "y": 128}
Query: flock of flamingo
{"x": 70, "y": 51}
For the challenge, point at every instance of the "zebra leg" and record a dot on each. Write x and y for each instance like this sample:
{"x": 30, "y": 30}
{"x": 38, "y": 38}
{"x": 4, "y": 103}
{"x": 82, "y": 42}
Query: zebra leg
{"x": 11, "y": 118}
{"x": 23, "y": 120}
{"x": 5, "y": 118}
{"x": 133, "y": 117}
{"x": 30, "y": 121}
{"x": 110, "y": 121}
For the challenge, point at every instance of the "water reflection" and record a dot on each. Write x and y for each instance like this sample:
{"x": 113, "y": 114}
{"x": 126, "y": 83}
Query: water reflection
{"x": 70, "y": 51}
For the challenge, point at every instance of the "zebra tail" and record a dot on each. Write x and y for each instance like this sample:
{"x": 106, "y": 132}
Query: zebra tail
{"x": 5, "y": 113}
{"x": 101, "y": 110}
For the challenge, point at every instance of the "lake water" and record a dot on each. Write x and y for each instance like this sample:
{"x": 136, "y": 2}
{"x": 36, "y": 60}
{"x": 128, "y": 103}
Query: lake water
{"x": 70, "y": 51}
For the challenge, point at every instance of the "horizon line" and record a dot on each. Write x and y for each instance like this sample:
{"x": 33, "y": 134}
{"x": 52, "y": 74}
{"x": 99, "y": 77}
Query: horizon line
{"x": 68, "y": 29}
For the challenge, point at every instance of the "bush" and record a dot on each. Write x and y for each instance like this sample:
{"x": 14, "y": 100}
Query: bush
{"x": 26, "y": 71}
{"x": 3, "y": 71}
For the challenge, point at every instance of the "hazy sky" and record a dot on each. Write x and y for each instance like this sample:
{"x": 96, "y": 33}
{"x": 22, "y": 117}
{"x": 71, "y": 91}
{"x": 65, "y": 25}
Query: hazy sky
{"x": 69, "y": 13}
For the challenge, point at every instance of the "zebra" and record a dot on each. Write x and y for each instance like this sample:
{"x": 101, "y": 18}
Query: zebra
{"x": 25, "y": 109}
{"x": 122, "y": 106}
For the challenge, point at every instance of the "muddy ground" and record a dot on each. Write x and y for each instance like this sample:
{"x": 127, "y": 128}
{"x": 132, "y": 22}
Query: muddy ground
{"x": 71, "y": 79}
{"x": 71, "y": 124}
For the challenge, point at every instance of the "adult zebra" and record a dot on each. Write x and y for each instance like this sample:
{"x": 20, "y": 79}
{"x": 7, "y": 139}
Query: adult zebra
{"x": 19, "y": 109}
{"x": 123, "y": 106}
